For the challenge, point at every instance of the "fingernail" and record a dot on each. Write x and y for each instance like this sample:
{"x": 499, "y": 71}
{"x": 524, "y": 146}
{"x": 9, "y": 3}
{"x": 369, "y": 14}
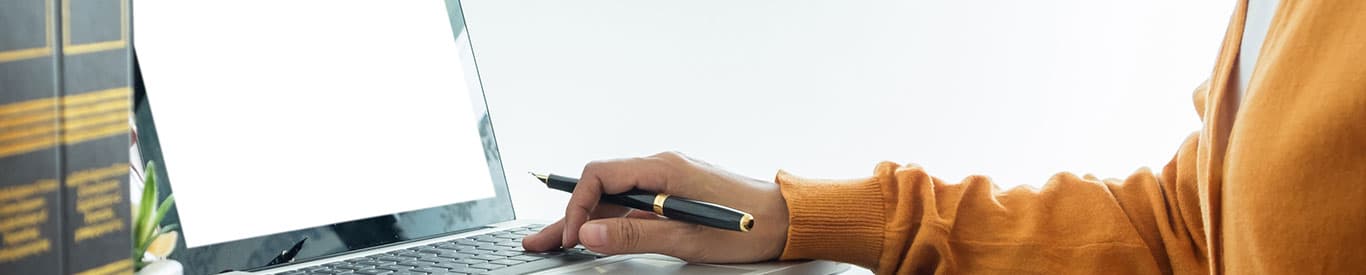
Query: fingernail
{"x": 593, "y": 235}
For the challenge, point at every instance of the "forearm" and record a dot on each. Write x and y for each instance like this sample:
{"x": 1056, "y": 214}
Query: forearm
{"x": 902, "y": 220}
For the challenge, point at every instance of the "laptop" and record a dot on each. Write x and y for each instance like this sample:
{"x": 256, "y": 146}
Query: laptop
{"x": 339, "y": 137}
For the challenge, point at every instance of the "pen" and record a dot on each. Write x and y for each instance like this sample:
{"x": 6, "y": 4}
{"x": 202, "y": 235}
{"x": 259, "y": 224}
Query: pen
{"x": 676, "y": 208}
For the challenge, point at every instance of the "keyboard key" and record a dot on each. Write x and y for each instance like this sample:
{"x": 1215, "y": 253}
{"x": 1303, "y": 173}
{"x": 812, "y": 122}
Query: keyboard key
{"x": 469, "y": 261}
{"x": 487, "y": 257}
{"x": 469, "y": 270}
{"x": 430, "y": 269}
{"x": 488, "y": 266}
{"x": 450, "y": 265}
{"x": 524, "y": 258}
{"x": 395, "y": 259}
{"x": 454, "y": 256}
{"x": 506, "y": 262}
{"x": 367, "y": 263}
{"x": 374, "y": 271}
{"x": 415, "y": 264}
{"x": 394, "y": 267}
{"x": 348, "y": 266}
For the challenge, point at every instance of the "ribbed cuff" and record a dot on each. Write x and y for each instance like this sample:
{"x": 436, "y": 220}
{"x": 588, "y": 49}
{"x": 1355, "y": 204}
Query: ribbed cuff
{"x": 833, "y": 220}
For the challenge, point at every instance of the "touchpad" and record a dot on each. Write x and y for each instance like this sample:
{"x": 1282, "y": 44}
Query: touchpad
{"x": 656, "y": 266}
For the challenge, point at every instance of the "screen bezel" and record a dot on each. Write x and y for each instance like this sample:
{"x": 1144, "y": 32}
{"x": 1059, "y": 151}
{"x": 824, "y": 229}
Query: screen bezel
{"x": 340, "y": 238}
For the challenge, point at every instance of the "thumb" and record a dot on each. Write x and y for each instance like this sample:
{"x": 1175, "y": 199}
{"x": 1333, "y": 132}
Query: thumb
{"x": 632, "y": 235}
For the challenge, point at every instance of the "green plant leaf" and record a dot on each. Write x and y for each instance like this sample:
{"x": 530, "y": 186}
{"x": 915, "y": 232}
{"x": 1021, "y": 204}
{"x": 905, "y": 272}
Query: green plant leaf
{"x": 160, "y": 214}
{"x": 149, "y": 194}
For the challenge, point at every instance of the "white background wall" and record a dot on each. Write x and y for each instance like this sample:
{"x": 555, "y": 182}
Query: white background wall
{"x": 1017, "y": 90}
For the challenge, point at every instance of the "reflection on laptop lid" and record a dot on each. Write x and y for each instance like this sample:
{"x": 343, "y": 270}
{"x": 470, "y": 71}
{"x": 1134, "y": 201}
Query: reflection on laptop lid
{"x": 345, "y": 123}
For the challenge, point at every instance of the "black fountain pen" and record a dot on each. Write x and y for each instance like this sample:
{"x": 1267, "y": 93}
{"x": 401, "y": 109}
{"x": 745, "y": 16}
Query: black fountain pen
{"x": 676, "y": 208}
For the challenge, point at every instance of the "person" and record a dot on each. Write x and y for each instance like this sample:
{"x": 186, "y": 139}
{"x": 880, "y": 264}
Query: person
{"x": 1273, "y": 183}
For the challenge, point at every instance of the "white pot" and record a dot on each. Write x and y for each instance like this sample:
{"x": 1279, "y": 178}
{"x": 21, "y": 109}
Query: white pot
{"x": 163, "y": 267}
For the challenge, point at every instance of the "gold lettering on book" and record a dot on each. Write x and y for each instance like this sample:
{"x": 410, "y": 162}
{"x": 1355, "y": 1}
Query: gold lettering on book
{"x": 23, "y": 235}
{"x": 23, "y": 210}
{"x": 89, "y": 175}
{"x": 99, "y": 215}
{"x": 120, "y": 93}
{"x": 31, "y": 219}
{"x": 122, "y": 266}
{"x": 97, "y": 192}
{"x": 33, "y": 125}
{"x": 22, "y": 206}
{"x": 43, "y": 111}
{"x": 11, "y": 253}
{"x": 28, "y": 126}
{"x": 95, "y": 115}
{"x": 97, "y": 188}
{"x": 90, "y": 231}
{"x": 18, "y": 192}
{"x": 91, "y": 204}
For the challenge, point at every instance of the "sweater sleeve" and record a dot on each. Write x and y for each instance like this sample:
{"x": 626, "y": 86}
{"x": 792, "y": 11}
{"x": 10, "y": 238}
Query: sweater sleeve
{"x": 901, "y": 220}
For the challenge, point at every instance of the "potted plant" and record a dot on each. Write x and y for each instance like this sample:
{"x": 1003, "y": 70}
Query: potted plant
{"x": 152, "y": 241}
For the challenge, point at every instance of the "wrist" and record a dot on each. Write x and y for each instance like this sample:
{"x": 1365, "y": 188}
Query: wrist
{"x": 833, "y": 220}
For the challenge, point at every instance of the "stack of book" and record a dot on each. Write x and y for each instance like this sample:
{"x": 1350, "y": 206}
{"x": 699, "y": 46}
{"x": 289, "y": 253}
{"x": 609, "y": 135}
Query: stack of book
{"x": 65, "y": 70}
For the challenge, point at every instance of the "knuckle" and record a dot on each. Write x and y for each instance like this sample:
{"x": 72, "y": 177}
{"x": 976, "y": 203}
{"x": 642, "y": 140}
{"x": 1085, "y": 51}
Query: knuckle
{"x": 631, "y": 231}
{"x": 575, "y": 212}
{"x": 671, "y": 156}
{"x": 592, "y": 167}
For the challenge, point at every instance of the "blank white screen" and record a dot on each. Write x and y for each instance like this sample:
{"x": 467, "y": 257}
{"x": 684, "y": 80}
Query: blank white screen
{"x": 284, "y": 115}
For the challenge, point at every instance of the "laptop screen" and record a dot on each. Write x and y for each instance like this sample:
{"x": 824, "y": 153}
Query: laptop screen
{"x": 329, "y": 120}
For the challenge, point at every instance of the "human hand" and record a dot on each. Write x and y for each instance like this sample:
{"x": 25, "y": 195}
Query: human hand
{"x": 611, "y": 229}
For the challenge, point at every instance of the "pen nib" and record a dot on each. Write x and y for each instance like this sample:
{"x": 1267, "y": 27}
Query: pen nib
{"x": 542, "y": 177}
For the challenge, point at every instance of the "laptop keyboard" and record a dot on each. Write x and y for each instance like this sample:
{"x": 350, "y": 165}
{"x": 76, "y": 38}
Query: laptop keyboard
{"x": 498, "y": 252}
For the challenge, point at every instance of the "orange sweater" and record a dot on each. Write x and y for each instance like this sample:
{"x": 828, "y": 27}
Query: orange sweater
{"x": 1274, "y": 186}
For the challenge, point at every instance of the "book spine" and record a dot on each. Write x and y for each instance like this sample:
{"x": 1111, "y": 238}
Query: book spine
{"x": 30, "y": 201}
{"x": 96, "y": 66}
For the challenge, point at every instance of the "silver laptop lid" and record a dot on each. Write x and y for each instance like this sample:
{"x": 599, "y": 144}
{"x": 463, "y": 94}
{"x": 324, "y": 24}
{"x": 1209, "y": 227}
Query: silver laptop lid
{"x": 343, "y": 125}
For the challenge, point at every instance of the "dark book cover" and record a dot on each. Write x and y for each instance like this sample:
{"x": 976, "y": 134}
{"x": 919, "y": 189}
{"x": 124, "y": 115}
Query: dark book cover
{"x": 30, "y": 201}
{"x": 96, "y": 97}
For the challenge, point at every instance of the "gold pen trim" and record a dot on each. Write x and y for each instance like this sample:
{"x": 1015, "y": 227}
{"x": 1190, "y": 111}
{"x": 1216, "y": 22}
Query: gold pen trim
{"x": 659, "y": 203}
{"x": 746, "y": 222}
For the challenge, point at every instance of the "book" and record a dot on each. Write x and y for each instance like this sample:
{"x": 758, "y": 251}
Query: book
{"x": 96, "y": 77}
{"x": 30, "y": 194}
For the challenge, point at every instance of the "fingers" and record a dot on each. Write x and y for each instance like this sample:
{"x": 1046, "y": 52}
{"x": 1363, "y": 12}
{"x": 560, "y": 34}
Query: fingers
{"x": 611, "y": 177}
{"x": 550, "y": 237}
{"x": 583, "y": 201}
{"x": 628, "y": 235}
{"x": 547, "y": 239}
